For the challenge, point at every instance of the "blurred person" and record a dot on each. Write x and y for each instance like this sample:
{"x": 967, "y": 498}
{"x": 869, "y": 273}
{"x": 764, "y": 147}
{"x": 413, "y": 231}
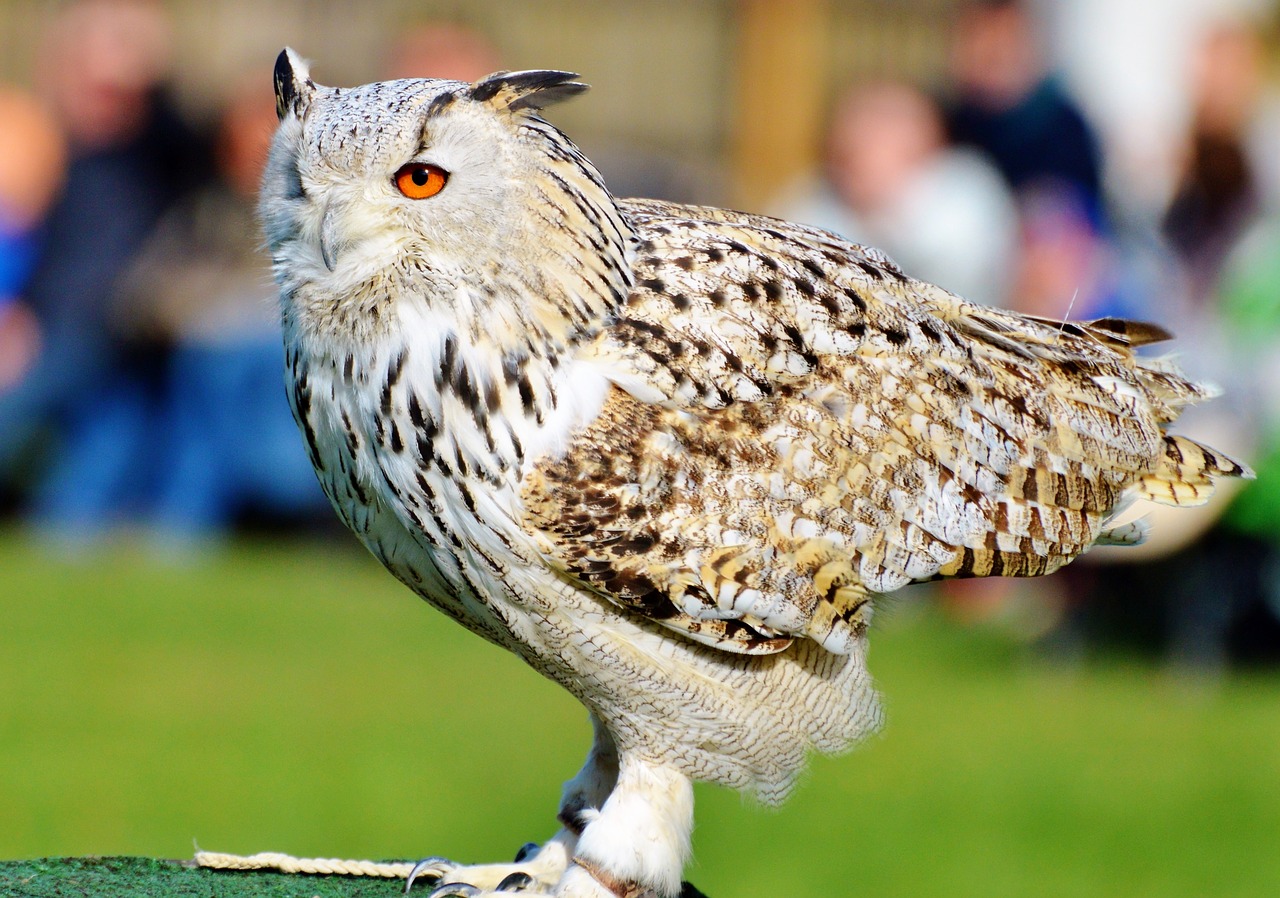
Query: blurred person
{"x": 1218, "y": 193}
{"x": 892, "y": 182}
{"x": 1064, "y": 267}
{"x": 1249, "y": 299}
{"x": 202, "y": 285}
{"x": 441, "y": 50}
{"x": 1006, "y": 101}
{"x": 1126, "y": 63}
{"x": 1008, "y": 104}
{"x": 1221, "y": 600}
{"x": 101, "y": 66}
{"x": 102, "y": 63}
{"x": 1219, "y": 198}
{"x": 1207, "y": 591}
{"x": 1250, "y": 302}
{"x": 32, "y": 161}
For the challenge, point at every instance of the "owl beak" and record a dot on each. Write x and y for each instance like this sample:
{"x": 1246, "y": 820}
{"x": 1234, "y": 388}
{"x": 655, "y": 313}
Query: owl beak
{"x": 329, "y": 241}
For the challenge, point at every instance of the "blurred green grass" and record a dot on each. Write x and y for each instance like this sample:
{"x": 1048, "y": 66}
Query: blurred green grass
{"x": 292, "y": 697}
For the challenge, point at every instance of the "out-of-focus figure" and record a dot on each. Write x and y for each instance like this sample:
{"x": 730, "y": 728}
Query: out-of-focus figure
{"x": 1007, "y": 103}
{"x": 1065, "y": 267}
{"x": 441, "y": 50}
{"x": 1249, "y": 296}
{"x": 1218, "y": 193}
{"x": 102, "y": 68}
{"x": 32, "y": 160}
{"x": 1207, "y": 588}
{"x": 202, "y": 286}
{"x": 1219, "y": 197}
{"x": 892, "y": 182}
{"x": 1223, "y": 232}
{"x": 1250, "y": 299}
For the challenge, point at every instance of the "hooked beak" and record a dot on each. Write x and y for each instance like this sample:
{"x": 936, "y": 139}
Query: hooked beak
{"x": 329, "y": 243}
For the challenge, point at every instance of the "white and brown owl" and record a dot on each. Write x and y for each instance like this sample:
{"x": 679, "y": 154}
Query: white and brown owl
{"x": 669, "y": 455}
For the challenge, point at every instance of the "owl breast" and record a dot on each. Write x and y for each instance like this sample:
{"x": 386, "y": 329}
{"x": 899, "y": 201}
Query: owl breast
{"x": 421, "y": 444}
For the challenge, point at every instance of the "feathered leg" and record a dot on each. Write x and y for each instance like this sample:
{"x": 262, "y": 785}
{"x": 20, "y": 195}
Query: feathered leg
{"x": 636, "y": 845}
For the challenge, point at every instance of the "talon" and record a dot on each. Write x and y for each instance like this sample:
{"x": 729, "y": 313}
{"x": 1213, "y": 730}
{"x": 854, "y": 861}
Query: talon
{"x": 527, "y": 850}
{"x": 515, "y": 882}
{"x": 460, "y": 889}
{"x": 430, "y": 868}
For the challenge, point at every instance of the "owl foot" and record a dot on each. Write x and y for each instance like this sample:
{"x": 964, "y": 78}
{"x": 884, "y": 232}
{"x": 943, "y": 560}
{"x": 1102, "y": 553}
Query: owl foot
{"x": 581, "y": 880}
{"x": 626, "y": 835}
{"x": 536, "y": 870}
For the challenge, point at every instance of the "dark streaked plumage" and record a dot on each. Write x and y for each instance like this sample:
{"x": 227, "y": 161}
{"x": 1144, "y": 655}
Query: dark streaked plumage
{"x": 666, "y": 454}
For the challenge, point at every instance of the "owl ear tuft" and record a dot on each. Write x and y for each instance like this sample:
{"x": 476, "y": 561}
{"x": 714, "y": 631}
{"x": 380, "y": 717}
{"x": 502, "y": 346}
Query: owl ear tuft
{"x": 294, "y": 87}
{"x": 536, "y": 89}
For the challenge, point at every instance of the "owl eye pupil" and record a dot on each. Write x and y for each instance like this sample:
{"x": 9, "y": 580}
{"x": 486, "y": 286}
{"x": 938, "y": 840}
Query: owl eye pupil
{"x": 420, "y": 180}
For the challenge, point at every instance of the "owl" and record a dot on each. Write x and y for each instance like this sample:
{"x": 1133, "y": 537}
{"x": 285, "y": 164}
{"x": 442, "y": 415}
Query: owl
{"x": 669, "y": 455}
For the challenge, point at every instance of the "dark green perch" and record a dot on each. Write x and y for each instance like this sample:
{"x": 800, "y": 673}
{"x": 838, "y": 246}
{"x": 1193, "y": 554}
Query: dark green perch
{"x": 127, "y": 877}
{"x": 141, "y": 877}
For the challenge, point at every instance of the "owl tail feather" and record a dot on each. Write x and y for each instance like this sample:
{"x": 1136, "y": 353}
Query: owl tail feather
{"x": 1184, "y": 474}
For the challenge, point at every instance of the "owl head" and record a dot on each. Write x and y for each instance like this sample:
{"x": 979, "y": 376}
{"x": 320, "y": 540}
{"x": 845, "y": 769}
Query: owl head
{"x": 452, "y": 197}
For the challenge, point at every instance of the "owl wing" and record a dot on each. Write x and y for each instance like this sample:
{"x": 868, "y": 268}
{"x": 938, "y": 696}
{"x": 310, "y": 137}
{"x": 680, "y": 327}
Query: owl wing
{"x": 796, "y": 424}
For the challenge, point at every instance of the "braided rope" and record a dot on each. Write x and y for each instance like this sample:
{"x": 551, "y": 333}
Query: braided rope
{"x": 270, "y": 860}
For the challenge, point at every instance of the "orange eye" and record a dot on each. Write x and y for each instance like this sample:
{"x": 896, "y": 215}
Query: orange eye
{"x": 420, "y": 180}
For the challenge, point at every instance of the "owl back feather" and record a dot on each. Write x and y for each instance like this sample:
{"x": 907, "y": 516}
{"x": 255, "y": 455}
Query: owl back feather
{"x": 826, "y": 428}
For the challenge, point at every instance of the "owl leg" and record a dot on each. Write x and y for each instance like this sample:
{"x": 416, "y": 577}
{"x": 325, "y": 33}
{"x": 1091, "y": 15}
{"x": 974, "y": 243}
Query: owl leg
{"x": 594, "y": 783}
{"x": 636, "y": 844}
{"x": 537, "y": 869}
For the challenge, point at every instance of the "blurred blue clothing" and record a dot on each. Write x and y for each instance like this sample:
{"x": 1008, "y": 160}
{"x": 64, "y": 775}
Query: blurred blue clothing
{"x": 18, "y": 248}
{"x": 1043, "y": 137}
{"x": 228, "y": 445}
{"x": 97, "y": 475}
{"x": 68, "y": 366}
{"x": 110, "y": 202}
{"x": 216, "y": 441}
{"x": 233, "y": 444}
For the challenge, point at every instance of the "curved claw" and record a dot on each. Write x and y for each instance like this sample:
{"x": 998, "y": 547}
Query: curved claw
{"x": 430, "y": 868}
{"x": 515, "y": 882}
{"x": 459, "y": 889}
{"x": 527, "y": 850}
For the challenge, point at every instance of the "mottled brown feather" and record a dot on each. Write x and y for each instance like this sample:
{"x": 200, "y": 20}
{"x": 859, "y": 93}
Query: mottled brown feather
{"x": 824, "y": 427}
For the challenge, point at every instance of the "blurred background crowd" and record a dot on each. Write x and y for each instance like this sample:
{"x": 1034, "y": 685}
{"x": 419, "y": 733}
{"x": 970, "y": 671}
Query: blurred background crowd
{"x": 1083, "y": 158}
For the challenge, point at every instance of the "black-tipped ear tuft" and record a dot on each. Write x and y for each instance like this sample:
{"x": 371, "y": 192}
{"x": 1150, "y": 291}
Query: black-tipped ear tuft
{"x": 526, "y": 90}
{"x": 294, "y": 87}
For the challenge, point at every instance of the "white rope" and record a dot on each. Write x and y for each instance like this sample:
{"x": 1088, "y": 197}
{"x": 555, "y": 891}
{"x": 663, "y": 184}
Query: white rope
{"x": 270, "y": 860}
